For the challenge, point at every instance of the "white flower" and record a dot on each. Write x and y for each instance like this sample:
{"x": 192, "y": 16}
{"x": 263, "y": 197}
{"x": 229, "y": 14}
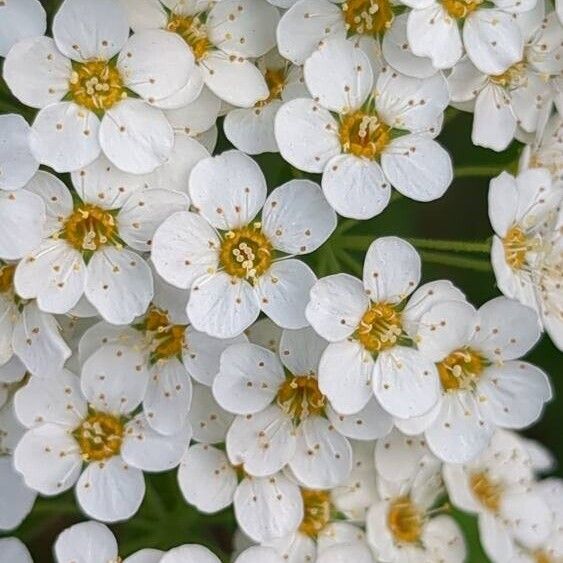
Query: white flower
{"x": 380, "y": 136}
{"x": 20, "y": 19}
{"x": 189, "y": 553}
{"x": 14, "y": 551}
{"x": 72, "y": 421}
{"x": 281, "y": 414}
{"x": 483, "y": 384}
{"x": 252, "y": 129}
{"x": 265, "y": 507}
{"x": 86, "y": 248}
{"x": 229, "y": 260}
{"x": 209, "y": 421}
{"x": 498, "y": 487}
{"x": 526, "y": 251}
{"x": 370, "y": 327}
{"x": 222, "y": 36}
{"x": 98, "y": 111}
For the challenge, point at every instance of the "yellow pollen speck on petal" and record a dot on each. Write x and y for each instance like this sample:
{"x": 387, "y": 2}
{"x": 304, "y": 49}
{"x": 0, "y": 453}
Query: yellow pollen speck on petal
{"x": 461, "y": 369}
{"x": 363, "y": 134}
{"x": 167, "y": 340}
{"x": 89, "y": 227}
{"x": 459, "y": 9}
{"x": 246, "y": 253}
{"x": 367, "y": 17}
{"x": 275, "y": 80}
{"x": 405, "y": 520}
{"x": 96, "y": 85}
{"x": 193, "y": 31}
{"x": 300, "y": 397}
{"x": 380, "y": 327}
{"x": 487, "y": 492}
{"x": 7, "y": 277}
{"x": 317, "y": 510}
{"x": 516, "y": 246}
{"x": 99, "y": 436}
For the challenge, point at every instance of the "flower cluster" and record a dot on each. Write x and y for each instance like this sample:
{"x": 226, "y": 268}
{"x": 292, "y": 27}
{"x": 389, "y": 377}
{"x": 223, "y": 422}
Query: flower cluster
{"x": 162, "y": 307}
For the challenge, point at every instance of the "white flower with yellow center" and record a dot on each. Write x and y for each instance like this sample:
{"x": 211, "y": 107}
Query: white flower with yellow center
{"x": 110, "y": 84}
{"x": 86, "y": 249}
{"x": 73, "y": 421}
{"x": 223, "y": 37}
{"x": 526, "y": 251}
{"x": 483, "y": 384}
{"x": 20, "y": 19}
{"x": 371, "y": 327}
{"x": 252, "y": 129}
{"x": 498, "y": 487}
{"x": 234, "y": 264}
{"x": 365, "y": 137}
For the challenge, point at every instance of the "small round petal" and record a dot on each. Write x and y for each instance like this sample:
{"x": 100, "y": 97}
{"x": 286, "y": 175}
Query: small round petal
{"x": 336, "y": 306}
{"x": 339, "y": 76}
{"x": 344, "y": 553}
{"x": 355, "y": 187}
{"x": 301, "y": 350}
{"x": 249, "y": 378}
{"x": 65, "y": 137}
{"x": 17, "y": 164}
{"x": 465, "y": 81}
{"x": 87, "y": 542}
{"x": 16, "y": 499}
{"x": 295, "y": 547}
{"x": 110, "y": 491}
{"x": 265, "y": 333}
{"x": 190, "y": 554}
{"x": 307, "y": 135}
{"x": 136, "y": 137}
{"x": 145, "y": 14}
{"x": 263, "y": 443}
{"x": 36, "y": 72}
{"x": 443, "y": 538}
{"x": 206, "y": 478}
{"x": 259, "y": 554}
{"x": 417, "y": 167}
{"x": 198, "y": 116}
{"x": 345, "y": 373}
{"x": 84, "y": 30}
{"x": 228, "y": 189}
{"x": 145, "y": 556}
{"x": 14, "y": 551}
{"x": 503, "y": 203}
{"x": 405, "y": 382}
{"x": 209, "y": 421}
{"x": 20, "y": 20}
{"x": 371, "y": 423}
{"x": 283, "y": 292}
{"x": 269, "y": 507}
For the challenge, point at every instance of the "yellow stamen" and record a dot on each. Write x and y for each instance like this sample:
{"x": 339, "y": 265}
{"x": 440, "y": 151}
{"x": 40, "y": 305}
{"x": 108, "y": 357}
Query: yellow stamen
{"x": 405, "y": 520}
{"x": 300, "y": 397}
{"x": 512, "y": 77}
{"x": 363, "y": 134}
{"x": 367, "y": 17}
{"x": 167, "y": 339}
{"x": 488, "y": 492}
{"x": 193, "y": 31}
{"x": 317, "y": 512}
{"x": 7, "y": 277}
{"x": 275, "y": 80}
{"x": 516, "y": 246}
{"x": 99, "y": 436}
{"x": 461, "y": 369}
{"x": 459, "y": 9}
{"x": 380, "y": 327}
{"x": 89, "y": 227}
{"x": 96, "y": 85}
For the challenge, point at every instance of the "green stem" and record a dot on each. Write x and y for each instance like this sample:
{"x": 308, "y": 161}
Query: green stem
{"x": 445, "y": 259}
{"x": 479, "y": 171}
{"x": 361, "y": 242}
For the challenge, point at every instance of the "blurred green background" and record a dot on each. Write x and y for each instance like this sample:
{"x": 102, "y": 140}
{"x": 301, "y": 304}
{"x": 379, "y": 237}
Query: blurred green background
{"x": 164, "y": 519}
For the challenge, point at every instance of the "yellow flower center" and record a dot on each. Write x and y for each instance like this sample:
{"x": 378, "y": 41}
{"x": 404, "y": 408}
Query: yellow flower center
{"x": 363, "y": 134}
{"x": 487, "y": 492}
{"x": 542, "y": 557}
{"x": 405, "y": 520}
{"x": 99, "y": 436}
{"x": 89, "y": 227}
{"x": 246, "y": 252}
{"x": 367, "y": 17}
{"x": 516, "y": 245}
{"x": 317, "y": 510}
{"x": 380, "y": 327}
{"x": 459, "y": 9}
{"x": 512, "y": 77}
{"x": 461, "y": 369}
{"x": 193, "y": 31}
{"x": 7, "y": 277}
{"x": 96, "y": 85}
{"x": 300, "y": 397}
{"x": 167, "y": 339}
{"x": 275, "y": 80}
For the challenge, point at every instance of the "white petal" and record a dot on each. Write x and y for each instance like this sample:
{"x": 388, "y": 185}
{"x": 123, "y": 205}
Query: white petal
{"x": 20, "y": 20}
{"x": 198, "y": 116}
{"x": 54, "y": 274}
{"x": 307, "y": 134}
{"x": 360, "y": 553}
{"x": 503, "y": 203}
{"x": 15, "y": 551}
{"x": 16, "y": 499}
{"x": 465, "y": 81}
{"x": 110, "y": 491}
{"x": 268, "y": 508}
{"x": 145, "y": 556}
{"x": 86, "y": 542}
{"x": 336, "y": 307}
{"x": 339, "y": 76}
{"x": 252, "y": 129}
{"x": 228, "y": 189}
{"x": 119, "y": 284}
{"x": 262, "y": 442}
{"x": 85, "y": 31}
{"x": 258, "y": 553}
{"x": 345, "y": 373}
{"x": 36, "y": 72}
{"x": 145, "y": 14}
{"x": 284, "y": 292}
{"x": 418, "y": 167}
{"x": 136, "y": 137}
{"x": 323, "y": 457}
{"x": 355, "y": 187}
{"x": 187, "y": 94}
{"x": 405, "y": 382}
{"x": 17, "y": 164}
{"x": 248, "y": 380}
{"x": 190, "y": 554}
{"x": 209, "y": 421}
{"x": 300, "y": 350}
{"x": 443, "y": 538}
{"x": 65, "y": 137}
{"x": 370, "y": 423}
{"x": 114, "y": 379}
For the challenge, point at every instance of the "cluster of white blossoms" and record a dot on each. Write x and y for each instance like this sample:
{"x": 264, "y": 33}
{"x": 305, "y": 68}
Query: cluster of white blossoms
{"x": 158, "y": 310}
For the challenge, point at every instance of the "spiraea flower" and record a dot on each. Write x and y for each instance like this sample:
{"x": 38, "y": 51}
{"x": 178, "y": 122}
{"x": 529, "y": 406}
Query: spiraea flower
{"x": 222, "y": 37}
{"x": 371, "y": 327}
{"x": 20, "y": 19}
{"x": 281, "y": 411}
{"x": 379, "y": 136}
{"x": 72, "y": 422}
{"x": 97, "y": 89}
{"x": 236, "y": 265}
{"x": 86, "y": 249}
{"x": 498, "y": 487}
